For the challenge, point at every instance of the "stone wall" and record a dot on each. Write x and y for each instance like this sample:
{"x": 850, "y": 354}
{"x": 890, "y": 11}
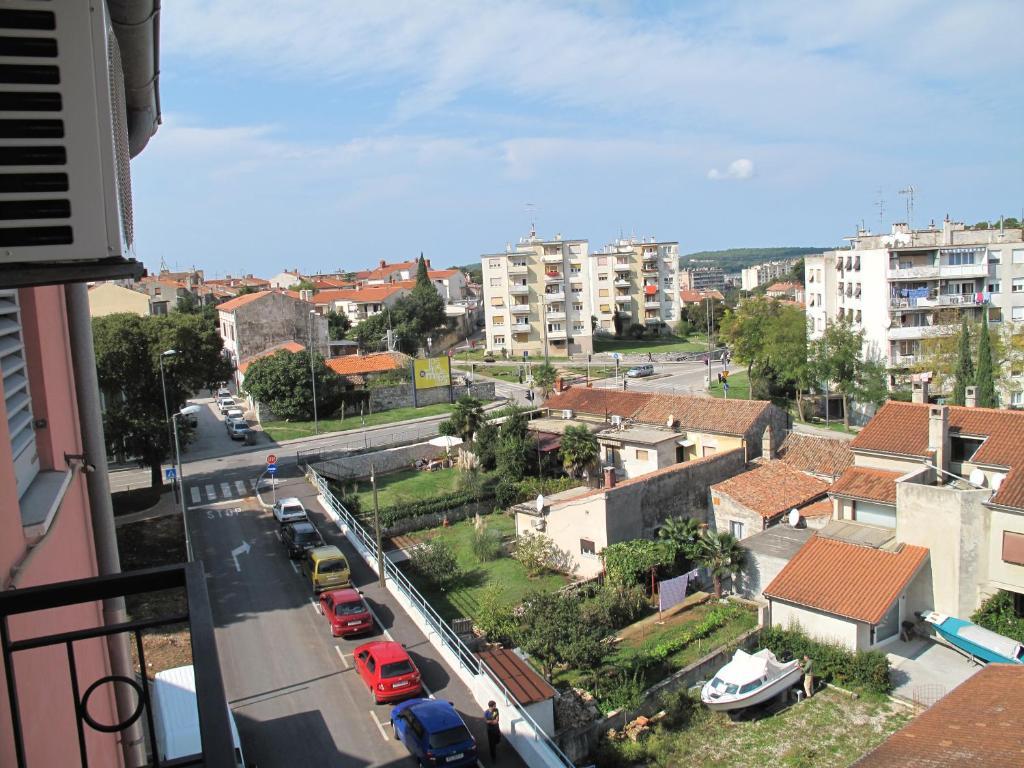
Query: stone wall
{"x": 726, "y": 510}
{"x": 356, "y": 465}
{"x": 401, "y": 396}
{"x": 273, "y": 319}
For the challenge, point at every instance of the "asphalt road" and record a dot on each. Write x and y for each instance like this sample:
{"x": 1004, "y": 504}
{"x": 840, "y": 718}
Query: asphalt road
{"x": 671, "y": 378}
{"x": 296, "y": 696}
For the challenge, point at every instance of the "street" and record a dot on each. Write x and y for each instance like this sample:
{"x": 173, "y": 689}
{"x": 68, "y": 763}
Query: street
{"x": 668, "y": 378}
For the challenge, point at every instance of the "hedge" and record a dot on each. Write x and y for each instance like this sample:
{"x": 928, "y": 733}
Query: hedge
{"x": 864, "y": 670}
{"x": 433, "y": 506}
{"x": 997, "y": 614}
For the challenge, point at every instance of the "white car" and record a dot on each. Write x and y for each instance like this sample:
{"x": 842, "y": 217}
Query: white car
{"x": 289, "y": 510}
{"x": 225, "y": 404}
{"x": 235, "y": 414}
{"x": 223, "y": 392}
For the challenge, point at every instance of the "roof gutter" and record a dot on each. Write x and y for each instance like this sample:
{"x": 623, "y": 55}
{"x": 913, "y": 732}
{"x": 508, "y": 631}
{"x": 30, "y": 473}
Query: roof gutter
{"x": 136, "y": 26}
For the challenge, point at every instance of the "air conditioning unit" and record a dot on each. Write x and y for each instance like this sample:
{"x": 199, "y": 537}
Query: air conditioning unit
{"x": 65, "y": 190}
{"x": 616, "y": 421}
{"x": 540, "y": 523}
{"x": 567, "y": 413}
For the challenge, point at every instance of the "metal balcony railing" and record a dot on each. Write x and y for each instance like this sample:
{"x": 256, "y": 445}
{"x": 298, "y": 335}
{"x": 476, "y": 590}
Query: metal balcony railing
{"x": 218, "y": 749}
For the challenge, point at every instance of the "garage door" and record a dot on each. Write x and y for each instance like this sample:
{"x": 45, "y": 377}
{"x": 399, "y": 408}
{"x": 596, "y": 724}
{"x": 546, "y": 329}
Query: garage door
{"x": 874, "y": 514}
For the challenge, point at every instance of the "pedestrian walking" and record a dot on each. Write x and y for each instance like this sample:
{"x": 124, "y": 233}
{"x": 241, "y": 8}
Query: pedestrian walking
{"x": 808, "y": 668}
{"x": 493, "y": 729}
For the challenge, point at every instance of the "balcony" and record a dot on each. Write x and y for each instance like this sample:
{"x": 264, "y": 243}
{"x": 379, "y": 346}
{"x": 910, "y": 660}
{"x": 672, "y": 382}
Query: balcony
{"x": 650, "y": 303}
{"x": 562, "y": 334}
{"x": 559, "y": 296}
{"x": 557, "y": 314}
{"x": 899, "y": 333}
{"x": 622, "y": 266}
{"x": 622, "y": 282}
{"x": 518, "y": 290}
{"x": 903, "y": 361}
{"x": 552, "y": 258}
{"x": 945, "y": 271}
{"x": 520, "y": 309}
{"x": 518, "y": 269}
{"x": 650, "y": 255}
{"x": 519, "y": 329}
{"x": 215, "y": 742}
{"x": 649, "y": 267}
{"x": 945, "y": 300}
{"x": 553, "y": 277}
{"x": 623, "y": 298}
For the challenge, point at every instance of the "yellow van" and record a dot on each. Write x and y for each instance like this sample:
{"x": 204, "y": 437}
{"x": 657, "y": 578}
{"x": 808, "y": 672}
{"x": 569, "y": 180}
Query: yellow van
{"x": 326, "y": 568}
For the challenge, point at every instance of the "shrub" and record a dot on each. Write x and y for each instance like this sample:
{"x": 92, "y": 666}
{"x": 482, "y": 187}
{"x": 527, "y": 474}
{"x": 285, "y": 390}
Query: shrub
{"x": 435, "y": 506}
{"x": 620, "y": 690}
{"x": 496, "y": 618}
{"x": 447, "y": 428}
{"x": 864, "y": 670}
{"x": 616, "y": 605}
{"x": 436, "y": 562}
{"x": 538, "y": 553}
{"x": 484, "y": 445}
{"x": 486, "y": 544}
{"x": 637, "y": 330}
{"x": 506, "y": 493}
{"x": 997, "y": 614}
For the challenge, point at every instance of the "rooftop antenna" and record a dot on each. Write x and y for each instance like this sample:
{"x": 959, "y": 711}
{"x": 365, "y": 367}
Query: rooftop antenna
{"x": 909, "y": 192}
{"x": 880, "y": 205}
{"x": 531, "y": 212}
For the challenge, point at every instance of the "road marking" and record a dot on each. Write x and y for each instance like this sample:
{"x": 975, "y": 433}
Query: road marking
{"x": 341, "y": 655}
{"x": 252, "y": 483}
{"x": 240, "y": 550}
{"x": 379, "y": 726}
{"x": 293, "y": 565}
{"x": 225, "y": 490}
{"x": 315, "y": 604}
{"x": 196, "y": 497}
{"x": 211, "y": 493}
{"x": 241, "y": 487}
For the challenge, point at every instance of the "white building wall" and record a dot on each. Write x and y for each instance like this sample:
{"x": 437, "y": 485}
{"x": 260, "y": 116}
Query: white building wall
{"x": 567, "y": 525}
{"x": 821, "y": 626}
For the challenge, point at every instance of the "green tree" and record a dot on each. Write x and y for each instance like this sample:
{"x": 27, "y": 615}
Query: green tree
{"x": 467, "y": 417}
{"x": 338, "y": 325}
{"x": 746, "y": 329}
{"x": 304, "y": 285}
{"x": 985, "y": 381}
{"x": 837, "y": 358}
{"x": 129, "y": 349}
{"x": 436, "y": 562}
{"x": 282, "y": 382}
{"x": 721, "y": 554}
{"x": 963, "y": 376}
{"x": 551, "y": 629}
{"x": 618, "y": 321}
{"x": 697, "y": 315}
{"x": 579, "y": 449}
{"x": 516, "y": 448}
{"x": 683, "y": 534}
{"x": 771, "y": 338}
{"x": 537, "y": 554}
{"x": 485, "y": 445}
{"x": 626, "y": 562}
{"x": 544, "y": 376}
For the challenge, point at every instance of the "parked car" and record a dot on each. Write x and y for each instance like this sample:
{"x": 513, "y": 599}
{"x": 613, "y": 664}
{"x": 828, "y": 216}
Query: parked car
{"x": 326, "y": 568}
{"x": 434, "y": 732}
{"x": 224, "y": 404}
{"x": 346, "y": 611}
{"x": 640, "y": 370}
{"x": 289, "y": 510}
{"x": 235, "y": 414}
{"x": 387, "y": 670}
{"x": 223, "y": 392}
{"x": 300, "y": 537}
{"x": 237, "y": 430}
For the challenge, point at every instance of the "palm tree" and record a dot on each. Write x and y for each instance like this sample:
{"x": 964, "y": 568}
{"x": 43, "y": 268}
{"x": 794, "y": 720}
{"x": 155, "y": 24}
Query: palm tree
{"x": 722, "y": 554}
{"x": 683, "y": 533}
{"x": 544, "y": 378}
{"x": 579, "y": 449}
{"x": 467, "y": 417}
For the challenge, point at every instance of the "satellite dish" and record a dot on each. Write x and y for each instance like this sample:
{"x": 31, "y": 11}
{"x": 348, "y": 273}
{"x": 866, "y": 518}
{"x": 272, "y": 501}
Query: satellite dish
{"x": 671, "y": 421}
{"x": 794, "y": 518}
{"x": 540, "y": 502}
{"x": 977, "y": 477}
{"x": 997, "y": 480}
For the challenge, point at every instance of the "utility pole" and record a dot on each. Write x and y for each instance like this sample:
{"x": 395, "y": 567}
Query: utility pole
{"x": 708, "y": 299}
{"x": 312, "y": 375}
{"x": 376, "y": 525}
{"x": 181, "y": 484}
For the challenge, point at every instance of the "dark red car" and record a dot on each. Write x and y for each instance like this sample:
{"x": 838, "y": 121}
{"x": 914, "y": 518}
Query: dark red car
{"x": 346, "y": 612}
{"x": 387, "y": 671}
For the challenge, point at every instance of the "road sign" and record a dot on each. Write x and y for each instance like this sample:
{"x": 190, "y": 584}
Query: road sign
{"x": 272, "y": 469}
{"x": 170, "y": 473}
{"x": 725, "y": 385}
{"x": 616, "y": 356}
{"x": 271, "y": 459}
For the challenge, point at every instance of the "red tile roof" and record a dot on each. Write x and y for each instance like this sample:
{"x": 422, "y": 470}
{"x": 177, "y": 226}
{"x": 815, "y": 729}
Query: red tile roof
{"x": 979, "y": 723}
{"x": 902, "y": 428}
{"x": 377, "y": 362}
{"x": 821, "y": 508}
{"x": 382, "y": 272}
{"x": 784, "y": 287}
{"x": 365, "y": 294}
{"x": 440, "y": 274}
{"x": 240, "y": 301}
{"x": 331, "y": 282}
{"x": 772, "y": 489}
{"x": 844, "y": 579}
{"x": 691, "y": 296}
{"x": 869, "y": 484}
{"x": 819, "y": 455}
{"x": 286, "y": 346}
{"x": 522, "y": 682}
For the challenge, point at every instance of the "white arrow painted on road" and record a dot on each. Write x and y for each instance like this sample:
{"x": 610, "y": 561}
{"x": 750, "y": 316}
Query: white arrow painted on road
{"x": 242, "y": 550}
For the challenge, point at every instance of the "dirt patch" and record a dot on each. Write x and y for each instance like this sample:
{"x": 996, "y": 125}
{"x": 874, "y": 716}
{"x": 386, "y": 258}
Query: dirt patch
{"x": 148, "y": 544}
{"x": 683, "y": 613}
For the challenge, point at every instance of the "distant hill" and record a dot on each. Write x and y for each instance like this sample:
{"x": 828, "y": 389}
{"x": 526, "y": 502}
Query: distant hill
{"x": 735, "y": 259}
{"x": 474, "y": 270}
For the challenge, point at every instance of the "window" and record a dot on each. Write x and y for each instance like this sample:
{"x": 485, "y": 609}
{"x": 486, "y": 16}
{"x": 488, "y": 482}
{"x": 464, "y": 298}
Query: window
{"x": 602, "y": 261}
{"x": 1018, "y": 255}
{"x": 577, "y": 327}
{"x": 494, "y": 263}
{"x": 996, "y": 287}
{"x": 736, "y": 528}
{"x": 577, "y": 289}
{"x": 995, "y": 314}
{"x": 577, "y": 306}
{"x": 554, "y": 326}
{"x": 964, "y": 448}
{"x": 1018, "y": 285}
{"x": 499, "y": 319}
{"x": 602, "y": 278}
{"x": 587, "y": 548}
{"x": 499, "y": 339}
{"x": 606, "y": 308}
{"x": 994, "y": 257}
{"x": 603, "y": 293}
{"x": 497, "y": 301}
{"x": 17, "y": 397}
{"x": 959, "y": 258}
{"x": 575, "y": 269}
{"x": 1017, "y": 314}
{"x": 495, "y": 282}
{"x": 1017, "y": 399}
{"x": 641, "y": 455}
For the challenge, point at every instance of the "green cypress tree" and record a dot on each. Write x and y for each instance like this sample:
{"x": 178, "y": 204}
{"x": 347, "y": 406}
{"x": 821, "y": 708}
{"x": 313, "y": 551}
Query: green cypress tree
{"x": 422, "y": 276}
{"x": 963, "y": 376}
{"x": 985, "y": 379}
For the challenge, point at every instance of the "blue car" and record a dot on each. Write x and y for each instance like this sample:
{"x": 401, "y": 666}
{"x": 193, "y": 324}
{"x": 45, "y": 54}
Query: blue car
{"x": 433, "y": 732}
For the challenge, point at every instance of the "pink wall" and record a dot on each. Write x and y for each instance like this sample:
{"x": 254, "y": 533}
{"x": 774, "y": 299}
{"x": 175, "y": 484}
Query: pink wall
{"x": 67, "y": 552}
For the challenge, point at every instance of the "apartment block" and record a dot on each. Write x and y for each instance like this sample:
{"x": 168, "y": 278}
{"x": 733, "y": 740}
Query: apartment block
{"x": 698, "y": 277}
{"x": 910, "y": 285}
{"x": 763, "y": 274}
{"x": 537, "y": 297}
{"x": 638, "y": 278}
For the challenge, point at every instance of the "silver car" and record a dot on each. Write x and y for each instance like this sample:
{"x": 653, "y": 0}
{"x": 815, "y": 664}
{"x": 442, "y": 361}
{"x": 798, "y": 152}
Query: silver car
{"x": 289, "y": 510}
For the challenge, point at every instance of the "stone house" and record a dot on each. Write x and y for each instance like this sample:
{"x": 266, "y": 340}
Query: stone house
{"x": 359, "y": 370}
{"x": 760, "y": 498}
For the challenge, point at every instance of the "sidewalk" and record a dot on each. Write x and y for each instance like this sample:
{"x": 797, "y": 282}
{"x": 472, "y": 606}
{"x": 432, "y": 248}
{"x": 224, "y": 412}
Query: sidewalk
{"x": 166, "y": 507}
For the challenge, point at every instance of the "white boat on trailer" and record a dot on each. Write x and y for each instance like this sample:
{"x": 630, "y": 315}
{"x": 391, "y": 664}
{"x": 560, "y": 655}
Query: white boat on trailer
{"x": 749, "y": 679}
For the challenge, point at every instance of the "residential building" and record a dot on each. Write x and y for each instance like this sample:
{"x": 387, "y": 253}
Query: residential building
{"x": 450, "y": 284}
{"x": 688, "y": 296}
{"x": 979, "y": 723}
{"x": 636, "y": 278}
{"x": 787, "y": 291}
{"x": 163, "y": 293}
{"x": 763, "y": 274}
{"x": 359, "y": 303}
{"x": 537, "y": 297}
{"x": 909, "y": 285}
{"x": 390, "y": 273}
{"x": 286, "y": 279}
{"x": 284, "y": 346}
{"x": 822, "y": 457}
{"x": 359, "y": 370}
{"x": 234, "y": 284}
{"x": 755, "y": 500}
{"x": 702, "y": 277}
{"x": 111, "y": 298}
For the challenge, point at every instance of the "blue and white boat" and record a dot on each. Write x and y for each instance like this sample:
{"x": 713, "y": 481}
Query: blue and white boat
{"x": 977, "y": 641}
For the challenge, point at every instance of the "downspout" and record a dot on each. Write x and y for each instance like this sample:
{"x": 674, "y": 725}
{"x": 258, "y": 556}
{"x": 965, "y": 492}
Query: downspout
{"x": 137, "y": 28}
{"x": 108, "y": 561}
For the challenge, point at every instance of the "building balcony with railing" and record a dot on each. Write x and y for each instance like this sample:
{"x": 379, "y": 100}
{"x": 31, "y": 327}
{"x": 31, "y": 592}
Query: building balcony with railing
{"x": 904, "y": 361}
{"x": 560, "y": 333}
{"x": 554, "y": 296}
{"x": 553, "y": 277}
{"x": 520, "y": 309}
{"x": 650, "y": 303}
{"x": 622, "y": 266}
{"x": 650, "y": 255}
{"x": 518, "y": 269}
{"x": 943, "y": 300}
{"x": 944, "y": 271}
{"x": 518, "y": 289}
{"x": 555, "y": 314}
{"x": 552, "y": 258}
{"x": 622, "y": 281}
{"x": 926, "y": 331}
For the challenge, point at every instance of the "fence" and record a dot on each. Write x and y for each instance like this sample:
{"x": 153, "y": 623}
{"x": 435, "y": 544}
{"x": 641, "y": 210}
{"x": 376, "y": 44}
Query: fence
{"x": 530, "y": 740}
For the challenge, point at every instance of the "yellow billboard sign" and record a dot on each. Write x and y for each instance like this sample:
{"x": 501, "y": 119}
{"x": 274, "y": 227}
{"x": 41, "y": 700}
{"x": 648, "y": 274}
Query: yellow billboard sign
{"x": 432, "y": 372}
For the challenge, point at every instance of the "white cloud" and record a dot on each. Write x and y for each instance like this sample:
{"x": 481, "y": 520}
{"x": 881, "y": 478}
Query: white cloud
{"x": 738, "y": 169}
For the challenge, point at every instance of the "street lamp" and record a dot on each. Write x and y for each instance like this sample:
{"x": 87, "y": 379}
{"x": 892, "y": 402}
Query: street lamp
{"x": 163, "y": 386}
{"x": 188, "y": 410}
{"x": 312, "y": 376}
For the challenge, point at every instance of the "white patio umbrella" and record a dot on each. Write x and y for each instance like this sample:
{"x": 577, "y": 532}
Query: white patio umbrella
{"x": 445, "y": 441}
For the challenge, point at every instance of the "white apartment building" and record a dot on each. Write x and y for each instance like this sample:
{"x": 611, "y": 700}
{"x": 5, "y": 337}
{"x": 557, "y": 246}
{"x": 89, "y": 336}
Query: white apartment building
{"x": 537, "y": 297}
{"x": 763, "y": 274}
{"x": 907, "y": 286}
{"x": 702, "y": 277}
{"x": 639, "y": 278}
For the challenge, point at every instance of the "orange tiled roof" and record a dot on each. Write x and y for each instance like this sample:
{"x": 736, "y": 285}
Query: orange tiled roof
{"x": 441, "y": 273}
{"x": 902, "y": 429}
{"x": 369, "y": 293}
{"x": 784, "y": 287}
{"x": 821, "y": 508}
{"x": 285, "y": 346}
{"x": 240, "y": 301}
{"x": 331, "y": 282}
{"x": 978, "y": 723}
{"x": 381, "y": 273}
{"x": 377, "y": 362}
{"x": 866, "y": 483}
{"x": 844, "y": 579}
{"x": 820, "y": 455}
{"x": 691, "y": 296}
{"x": 772, "y": 489}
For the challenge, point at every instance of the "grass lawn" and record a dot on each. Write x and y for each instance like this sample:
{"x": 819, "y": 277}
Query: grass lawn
{"x": 405, "y": 486}
{"x": 643, "y": 346}
{"x": 506, "y": 572}
{"x": 827, "y": 731}
{"x": 835, "y": 426}
{"x": 739, "y": 385}
{"x": 289, "y": 430}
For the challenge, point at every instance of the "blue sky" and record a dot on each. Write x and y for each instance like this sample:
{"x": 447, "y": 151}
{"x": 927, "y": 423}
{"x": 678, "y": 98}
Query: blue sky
{"x": 324, "y": 134}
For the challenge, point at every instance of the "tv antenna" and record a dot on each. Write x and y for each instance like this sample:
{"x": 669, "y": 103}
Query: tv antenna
{"x": 909, "y": 192}
{"x": 880, "y": 205}
{"x": 531, "y": 213}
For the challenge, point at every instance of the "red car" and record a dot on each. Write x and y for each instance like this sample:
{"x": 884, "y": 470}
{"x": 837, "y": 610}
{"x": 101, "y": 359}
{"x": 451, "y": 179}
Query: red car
{"x": 388, "y": 671}
{"x": 346, "y": 611}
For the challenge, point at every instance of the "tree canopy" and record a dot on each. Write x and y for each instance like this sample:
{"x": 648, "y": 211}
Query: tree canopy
{"x": 771, "y": 338}
{"x": 963, "y": 376}
{"x": 837, "y": 358}
{"x": 412, "y": 318}
{"x": 552, "y": 630}
{"x": 338, "y": 325}
{"x": 985, "y": 385}
{"x": 282, "y": 382}
{"x": 579, "y": 449}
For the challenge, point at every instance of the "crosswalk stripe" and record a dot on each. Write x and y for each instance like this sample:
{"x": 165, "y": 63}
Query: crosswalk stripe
{"x": 225, "y": 490}
{"x": 252, "y": 483}
{"x": 211, "y": 493}
{"x": 240, "y": 486}
{"x": 196, "y": 497}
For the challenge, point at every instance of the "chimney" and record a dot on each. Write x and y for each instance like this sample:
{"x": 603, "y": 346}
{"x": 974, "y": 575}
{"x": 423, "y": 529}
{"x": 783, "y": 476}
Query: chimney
{"x": 938, "y": 435}
{"x": 767, "y": 451}
{"x": 919, "y": 391}
{"x": 609, "y": 477}
{"x": 383, "y": 263}
{"x": 971, "y": 397}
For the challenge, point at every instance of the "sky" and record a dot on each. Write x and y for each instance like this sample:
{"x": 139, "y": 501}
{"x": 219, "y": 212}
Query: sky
{"x": 328, "y": 135}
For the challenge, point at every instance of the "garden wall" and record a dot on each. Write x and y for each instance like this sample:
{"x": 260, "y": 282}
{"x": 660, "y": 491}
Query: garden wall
{"x": 433, "y": 520}
{"x": 357, "y": 465}
{"x": 401, "y": 395}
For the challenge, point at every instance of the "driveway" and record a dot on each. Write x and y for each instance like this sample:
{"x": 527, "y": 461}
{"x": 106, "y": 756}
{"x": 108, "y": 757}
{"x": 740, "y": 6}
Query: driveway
{"x": 923, "y": 671}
